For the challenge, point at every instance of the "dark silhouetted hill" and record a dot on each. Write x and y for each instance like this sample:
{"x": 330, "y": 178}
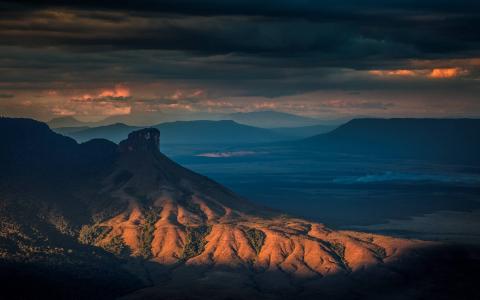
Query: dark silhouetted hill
{"x": 447, "y": 140}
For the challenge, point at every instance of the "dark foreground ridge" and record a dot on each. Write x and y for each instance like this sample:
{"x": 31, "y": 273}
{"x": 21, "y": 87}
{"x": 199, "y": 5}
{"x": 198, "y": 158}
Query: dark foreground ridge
{"x": 100, "y": 220}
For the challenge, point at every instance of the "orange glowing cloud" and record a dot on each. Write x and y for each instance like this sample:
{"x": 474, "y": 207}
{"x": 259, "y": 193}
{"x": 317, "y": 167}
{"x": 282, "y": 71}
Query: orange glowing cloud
{"x": 92, "y": 109}
{"x": 265, "y": 105}
{"x": 446, "y": 72}
{"x": 401, "y": 72}
{"x": 180, "y": 94}
{"x": 177, "y": 95}
{"x": 112, "y": 111}
{"x": 118, "y": 92}
{"x": 60, "y": 111}
{"x": 430, "y": 73}
{"x": 103, "y": 102}
{"x": 212, "y": 103}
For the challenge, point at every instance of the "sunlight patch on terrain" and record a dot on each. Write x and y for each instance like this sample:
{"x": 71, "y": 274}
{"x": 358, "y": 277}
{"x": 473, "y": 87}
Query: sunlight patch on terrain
{"x": 227, "y": 154}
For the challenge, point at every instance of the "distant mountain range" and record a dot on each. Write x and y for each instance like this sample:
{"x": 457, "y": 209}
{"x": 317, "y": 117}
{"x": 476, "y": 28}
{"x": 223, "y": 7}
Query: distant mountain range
{"x": 304, "y": 131}
{"x": 272, "y": 119}
{"x": 263, "y": 119}
{"x": 447, "y": 140}
{"x": 113, "y": 132}
{"x": 67, "y": 122}
{"x": 183, "y": 132}
{"x": 140, "y": 119}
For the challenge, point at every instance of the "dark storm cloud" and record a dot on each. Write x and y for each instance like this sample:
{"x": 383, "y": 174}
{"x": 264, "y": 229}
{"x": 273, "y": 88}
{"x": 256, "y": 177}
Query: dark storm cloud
{"x": 252, "y": 7}
{"x": 241, "y": 48}
{"x": 357, "y": 29}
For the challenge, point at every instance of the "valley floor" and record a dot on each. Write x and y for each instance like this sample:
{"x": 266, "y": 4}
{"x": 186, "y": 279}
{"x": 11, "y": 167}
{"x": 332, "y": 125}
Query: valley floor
{"x": 397, "y": 197}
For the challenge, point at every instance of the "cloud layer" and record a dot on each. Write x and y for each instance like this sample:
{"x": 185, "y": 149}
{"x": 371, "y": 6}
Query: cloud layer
{"x": 382, "y": 58}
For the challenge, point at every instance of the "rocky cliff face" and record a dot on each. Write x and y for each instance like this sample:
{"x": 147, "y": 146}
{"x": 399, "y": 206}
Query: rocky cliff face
{"x": 145, "y": 140}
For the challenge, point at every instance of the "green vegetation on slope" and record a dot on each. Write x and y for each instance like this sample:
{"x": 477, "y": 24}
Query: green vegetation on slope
{"x": 338, "y": 250}
{"x": 91, "y": 234}
{"x": 117, "y": 246}
{"x": 195, "y": 241}
{"x": 147, "y": 230}
{"x": 256, "y": 238}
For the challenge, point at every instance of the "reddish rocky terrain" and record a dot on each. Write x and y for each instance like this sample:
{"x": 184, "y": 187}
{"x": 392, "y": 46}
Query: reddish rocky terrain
{"x": 203, "y": 234}
{"x": 174, "y": 234}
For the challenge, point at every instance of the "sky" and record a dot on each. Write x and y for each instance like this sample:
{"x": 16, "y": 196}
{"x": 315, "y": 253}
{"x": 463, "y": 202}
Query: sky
{"x": 325, "y": 59}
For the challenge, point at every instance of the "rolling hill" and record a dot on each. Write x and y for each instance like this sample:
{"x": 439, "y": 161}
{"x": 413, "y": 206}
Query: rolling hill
{"x": 447, "y": 140}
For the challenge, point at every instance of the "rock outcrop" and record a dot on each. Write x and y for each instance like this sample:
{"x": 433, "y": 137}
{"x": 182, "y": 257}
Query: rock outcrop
{"x": 147, "y": 139}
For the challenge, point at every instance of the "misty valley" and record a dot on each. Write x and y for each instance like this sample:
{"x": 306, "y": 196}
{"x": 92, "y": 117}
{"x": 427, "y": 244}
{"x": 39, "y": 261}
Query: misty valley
{"x": 350, "y": 192}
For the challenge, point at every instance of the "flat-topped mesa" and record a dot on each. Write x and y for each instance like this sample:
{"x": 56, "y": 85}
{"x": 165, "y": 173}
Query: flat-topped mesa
{"x": 147, "y": 139}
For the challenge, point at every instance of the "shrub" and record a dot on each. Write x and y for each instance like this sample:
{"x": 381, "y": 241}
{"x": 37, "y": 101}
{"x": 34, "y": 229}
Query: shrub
{"x": 256, "y": 238}
{"x": 117, "y": 246}
{"x": 379, "y": 252}
{"x": 147, "y": 231}
{"x": 91, "y": 234}
{"x": 195, "y": 241}
{"x": 339, "y": 249}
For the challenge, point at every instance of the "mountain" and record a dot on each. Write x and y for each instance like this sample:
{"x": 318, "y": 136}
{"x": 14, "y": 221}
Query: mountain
{"x": 66, "y": 122}
{"x": 271, "y": 119}
{"x": 304, "y": 131}
{"x": 45, "y": 182}
{"x": 139, "y": 119}
{"x": 447, "y": 140}
{"x": 262, "y": 119}
{"x": 219, "y": 132}
{"x": 184, "y": 132}
{"x": 99, "y": 220}
{"x": 70, "y": 130}
{"x": 114, "y": 132}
